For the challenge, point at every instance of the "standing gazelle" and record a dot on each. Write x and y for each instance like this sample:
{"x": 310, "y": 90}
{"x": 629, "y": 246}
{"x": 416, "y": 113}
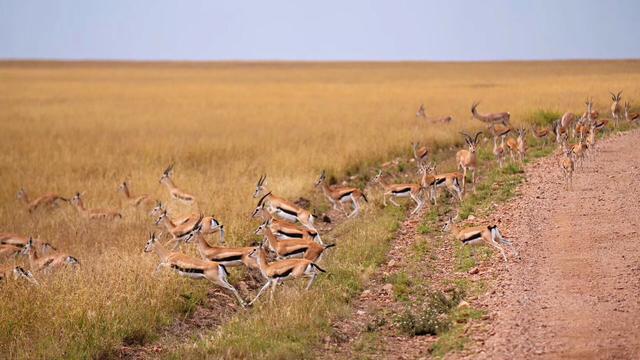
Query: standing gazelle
{"x": 491, "y": 118}
{"x": 48, "y": 200}
{"x": 279, "y": 271}
{"x": 280, "y": 207}
{"x": 191, "y": 267}
{"x": 93, "y": 214}
{"x": 432, "y": 180}
{"x": 339, "y": 195}
{"x": 567, "y": 167}
{"x": 413, "y": 191}
{"x": 616, "y": 107}
{"x": 467, "y": 159}
{"x": 174, "y": 191}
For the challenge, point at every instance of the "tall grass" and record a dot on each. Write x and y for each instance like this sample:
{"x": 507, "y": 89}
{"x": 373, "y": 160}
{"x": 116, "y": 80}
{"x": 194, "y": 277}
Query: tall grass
{"x": 88, "y": 126}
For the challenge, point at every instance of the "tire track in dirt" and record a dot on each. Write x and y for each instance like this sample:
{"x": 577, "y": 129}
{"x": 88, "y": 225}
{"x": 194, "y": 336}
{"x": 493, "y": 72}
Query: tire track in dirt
{"x": 576, "y": 293}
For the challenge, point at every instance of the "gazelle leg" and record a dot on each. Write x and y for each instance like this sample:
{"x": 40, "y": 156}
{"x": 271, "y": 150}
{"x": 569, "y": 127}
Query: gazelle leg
{"x": 266, "y": 285}
{"x": 223, "y": 282}
{"x": 393, "y": 201}
{"x": 356, "y": 208}
{"x": 495, "y": 245}
{"x": 311, "y": 280}
{"x": 273, "y": 290}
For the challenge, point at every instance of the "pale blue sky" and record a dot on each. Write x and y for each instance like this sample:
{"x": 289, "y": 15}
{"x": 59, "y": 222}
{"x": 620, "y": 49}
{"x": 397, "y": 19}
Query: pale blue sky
{"x": 319, "y": 30}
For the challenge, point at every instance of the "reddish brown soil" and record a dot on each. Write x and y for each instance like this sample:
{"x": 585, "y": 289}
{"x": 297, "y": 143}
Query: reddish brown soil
{"x": 576, "y": 294}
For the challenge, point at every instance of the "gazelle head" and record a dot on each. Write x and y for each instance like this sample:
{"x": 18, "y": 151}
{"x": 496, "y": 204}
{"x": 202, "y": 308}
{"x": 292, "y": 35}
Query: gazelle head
{"x": 151, "y": 243}
{"x": 166, "y": 174}
{"x": 260, "y": 186}
{"x": 163, "y": 215}
{"x": 616, "y": 97}
{"x": 426, "y": 168}
{"x": 321, "y": 179}
{"x": 27, "y": 249}
{"x": 472, "y": 142}
{"x": 258, "y": 211}
{"x": 474, "y": 107}
{"x": 22, "y": 195}
{"x": 522, "y": 133}
{"x": 47, "y": 248}
{"x": 123, "y": 187}
{"x": 158, "y": 209}
{"x": 260, "y": 229}
{"x": 448, "y": 224}
{"x": 377, "y": 178}
{"x": 77, "y": 198}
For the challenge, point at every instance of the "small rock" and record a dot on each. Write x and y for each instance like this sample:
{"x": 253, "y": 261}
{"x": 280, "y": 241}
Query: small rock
{"x": 361, "y": 312}
{"x": 474, "y": 271}
{"x": 463, "y": 304}
{"x": 392, "y": 263}
{"x": 471, "y": 217}
{"x": 387, "y": 287}
{"x": 366, "y": 292}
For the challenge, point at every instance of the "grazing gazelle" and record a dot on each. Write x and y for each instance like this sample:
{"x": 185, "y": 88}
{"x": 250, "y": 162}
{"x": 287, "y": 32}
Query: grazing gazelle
{"x": 93, "y": 214}
{"x": 286, "y": 230}
{"x": 413, "y": 191}
{"x": 467, "y": 159}
{"x": 476, "y": 235}
{"x": 8, "y": 271}
{"x": 339, "y": 195}
{"x": 48, "y": 200}
{"x": 432, "y": 180}
{"x": 305, "y": 247}
{"x": 279, "y": 271}
{"x": 174, "y": 191}
{"x": 616, "y": 107}
{"x": 567, "y": 167}
{"x": 280, "y": 207}
{"x": 420, "y": 153}
{"x": 630, "y": 116}
{"x": 192, "y": 267}
{"x": 143, "y": 200}
{"x": 491, "y": 118}
{"x": 48, "y": 262}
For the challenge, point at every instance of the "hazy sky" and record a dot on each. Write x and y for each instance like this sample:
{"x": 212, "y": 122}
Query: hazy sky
{"x": 319, "y": 30}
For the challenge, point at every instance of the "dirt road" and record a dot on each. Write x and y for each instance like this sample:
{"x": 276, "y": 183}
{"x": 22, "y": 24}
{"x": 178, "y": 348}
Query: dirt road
{"x": 576, "y": 293}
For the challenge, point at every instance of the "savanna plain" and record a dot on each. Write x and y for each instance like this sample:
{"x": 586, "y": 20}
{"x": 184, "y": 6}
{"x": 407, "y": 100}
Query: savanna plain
{"x": 86, "y": 127}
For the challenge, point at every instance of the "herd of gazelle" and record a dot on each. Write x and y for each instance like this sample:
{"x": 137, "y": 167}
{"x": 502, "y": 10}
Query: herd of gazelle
{"x": 291, "y": 245}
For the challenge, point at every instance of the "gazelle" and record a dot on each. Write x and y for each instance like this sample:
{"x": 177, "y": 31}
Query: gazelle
{"x": 591, "y": 138}
{"x": 340, "y": 195}
{"x": 562, "y": 134}
{"x": 476, "y": 235}
{"x": 432, "y": 180}
{"x": 179, "y": 232}
{"x": 467, "y": 159}
{"x": 420, "y": 153}
{"x": 143, "y": 200}
{"x": 48, "y": 200}
{"x": 579, "y": 151}
{"x": 616, "y": 108}
{"x": 567, "y": 120}
{"x": 499, "y": 130}
{"x": 280, "y": 207}
{"x": 590, "y": 114}
{"x": 540, "y": 133}
{"x": 567, "y": 167}
{"x": 174, "y": 191}
{"x": 280, "y": 271}
{"x": 159, "y": 208}
{"x": 413, "y": 191}
{"x": 210, "y": 225}
{"x": 421, "y": 112}
{"x": 16, "y": 272}
{"x": 491, "y": 118}
{"x": 49, "y": 262}
{"x": 286, "y": 230}
{"x": 93, "y": 214}
{"x": 191, "y": 267}
{"x": 226, "y": 256}
{"x": 630, "y": 116}
{"x": 305, "y": 248}
{"x": 499, "y": 151}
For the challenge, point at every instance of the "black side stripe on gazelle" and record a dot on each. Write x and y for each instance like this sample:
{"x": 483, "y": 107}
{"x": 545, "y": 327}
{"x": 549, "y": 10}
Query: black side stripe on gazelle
{"x": 284, "y": 274}
{"x": 472, "y": 237}
{"x": 440, "y": 180}
{"x": 403, "y": 190}
{"x": 291, "y": 235}
{"x": 346, "y": 194}
{"x": 297, "y": 251}
{"x": 47, "y": 263}
{"x": 290, "y": 212}
{"x": 229, "y": 258}
{"x": 187, "y": 270}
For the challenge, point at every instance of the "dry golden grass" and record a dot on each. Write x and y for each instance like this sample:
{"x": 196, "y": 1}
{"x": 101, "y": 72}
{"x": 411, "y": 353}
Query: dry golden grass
{"x": 88, "y": 126}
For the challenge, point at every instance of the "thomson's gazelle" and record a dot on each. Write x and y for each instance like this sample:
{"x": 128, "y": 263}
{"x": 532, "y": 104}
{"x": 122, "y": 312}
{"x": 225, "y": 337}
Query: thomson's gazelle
{"x": 93, "y": 214}
{"x": 339, "y": 195}
{"x": 174, "y": 191}
{"x": 280, "y": 207}
{"x": 413, "y": 191}
{"x": 476, "y": 235}
{"x": 467, "y": 159}
{"x": 48, "y": 200}
{"x": 305, "y": 248}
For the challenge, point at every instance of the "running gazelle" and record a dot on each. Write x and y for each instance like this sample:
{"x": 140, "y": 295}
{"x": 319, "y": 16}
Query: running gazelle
{"x": 143, "y": 200}
{"x": 48, "y": 200}
{"x": 305, "y": 247}
{"x": 280, "y": 207}
{"x": 413, "y": 191}
{"x": 430, "y": 179}
{"x": 476, "y": 235}
{"x": 93, "y": 214}
{"x": 339, "y": 195}
{"x": 175, "y": 192}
